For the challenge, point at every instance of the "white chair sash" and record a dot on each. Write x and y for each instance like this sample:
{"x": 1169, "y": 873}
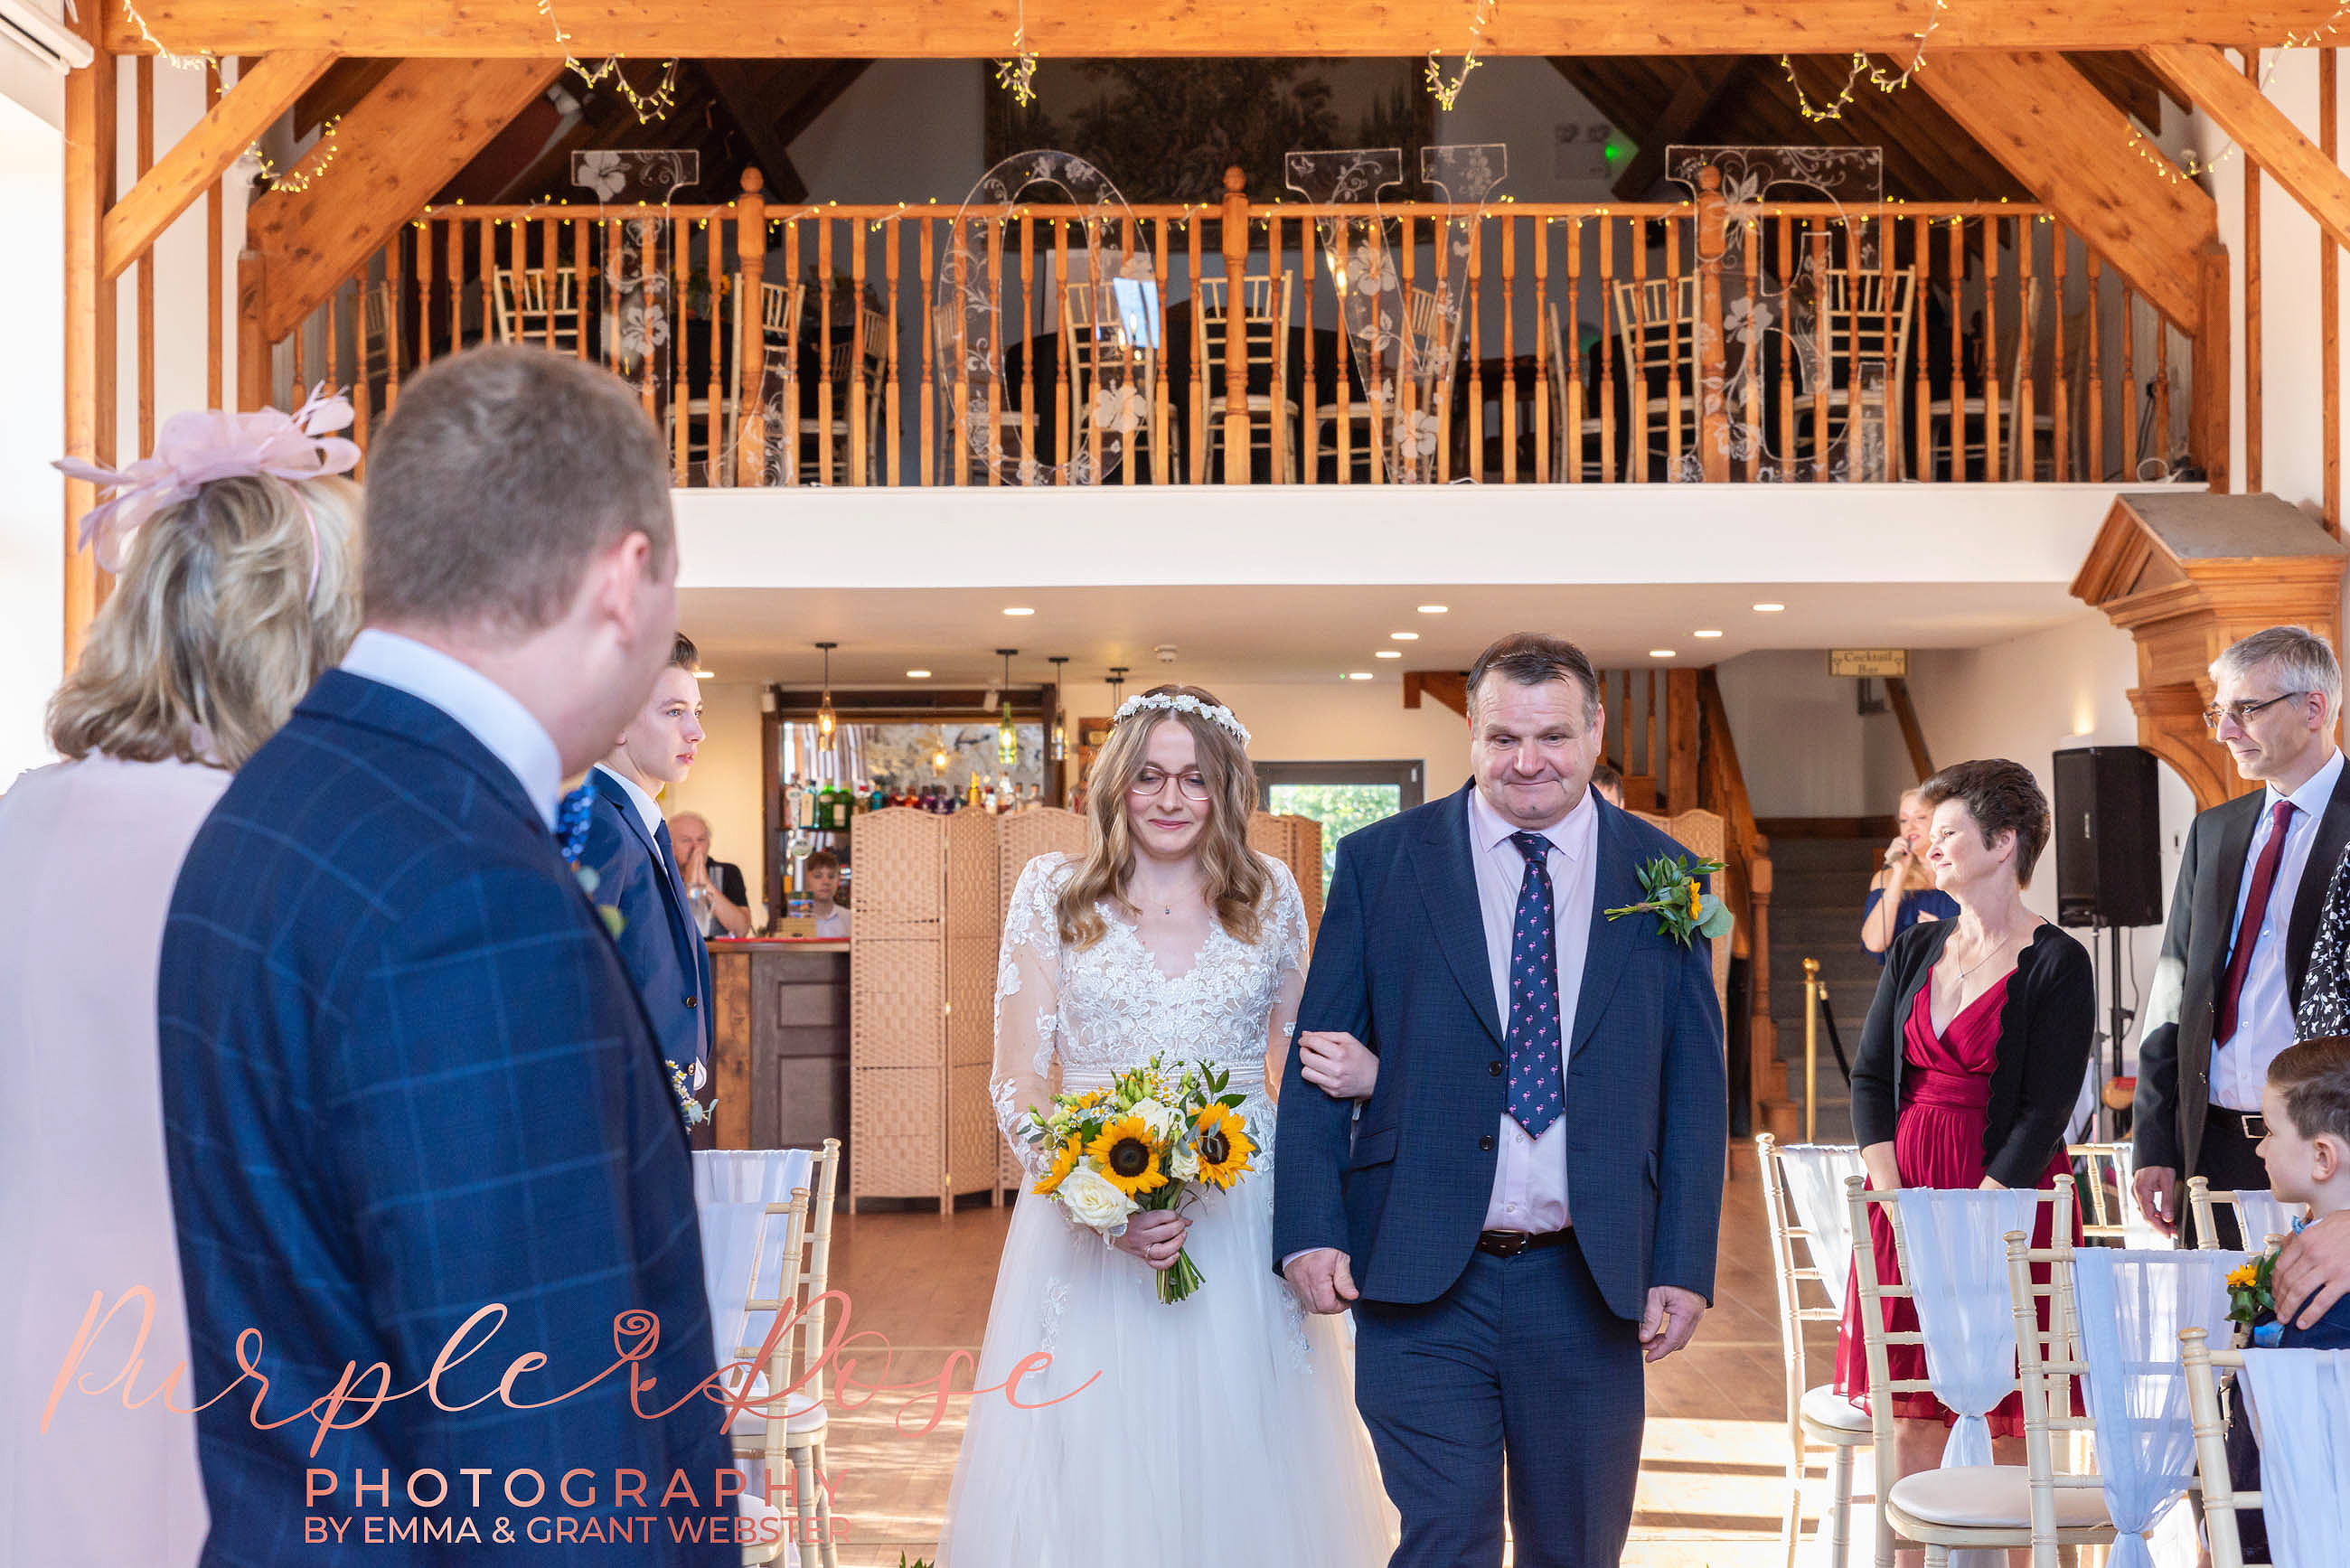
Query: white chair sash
{"x": 1816, "y": 1174}
{"x": 740, "y": 1175}
{"x": 2133, "y": 1308}
{"x": 1955, "y": 1251}
{"x": 2304, "y": 1397}
{"x": 732, "y": 1190}
{"x": 2138, "y": 1231}
{"x": 2264, "y": 1217}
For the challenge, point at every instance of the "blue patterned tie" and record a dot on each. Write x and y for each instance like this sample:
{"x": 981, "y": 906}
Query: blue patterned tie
{"x": 1537, "y": 1089}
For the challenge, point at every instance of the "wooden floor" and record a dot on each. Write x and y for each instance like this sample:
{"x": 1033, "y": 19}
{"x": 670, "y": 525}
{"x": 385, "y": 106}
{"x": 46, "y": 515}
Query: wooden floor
{"x": 1712, "y": 1480}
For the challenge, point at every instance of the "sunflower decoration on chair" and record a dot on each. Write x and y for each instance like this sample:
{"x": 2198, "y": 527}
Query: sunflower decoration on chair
{"x": 1158, "y": 1138}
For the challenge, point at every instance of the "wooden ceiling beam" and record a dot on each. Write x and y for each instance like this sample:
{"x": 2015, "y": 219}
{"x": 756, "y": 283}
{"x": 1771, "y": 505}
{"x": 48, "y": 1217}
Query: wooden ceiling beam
{"x": 2268, "y": 138}
{"x": 207, "y": 151}
{"x": 979, "y": 29}
{"x": 740, "y": 92}
{"x": 2125, "y": 81}
{"x": 338, "y": 92}
{"x": 1705, "y": 82}
{"x": 2077, "y": 153}
{"x": 403, "y": 143}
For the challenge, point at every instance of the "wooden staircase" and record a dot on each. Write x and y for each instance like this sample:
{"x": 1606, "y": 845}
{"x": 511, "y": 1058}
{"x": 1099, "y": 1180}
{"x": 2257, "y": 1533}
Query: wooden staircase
{"x": 1815, "y": 911}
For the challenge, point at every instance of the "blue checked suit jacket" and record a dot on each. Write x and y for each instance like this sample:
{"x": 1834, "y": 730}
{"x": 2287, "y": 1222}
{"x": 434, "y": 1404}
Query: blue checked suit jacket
{"x": 404, "y": 1076}
{"x": 664, "y": 954}
{"x": 1400, "y": 964}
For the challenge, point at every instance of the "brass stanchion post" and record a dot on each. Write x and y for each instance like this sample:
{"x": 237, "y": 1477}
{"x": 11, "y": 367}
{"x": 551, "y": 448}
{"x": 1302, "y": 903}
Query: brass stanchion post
{"x": 1811, "y": 1050}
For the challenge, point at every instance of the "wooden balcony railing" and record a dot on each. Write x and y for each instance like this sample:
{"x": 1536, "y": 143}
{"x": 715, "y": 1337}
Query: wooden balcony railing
{"x": 1533, "y": 343}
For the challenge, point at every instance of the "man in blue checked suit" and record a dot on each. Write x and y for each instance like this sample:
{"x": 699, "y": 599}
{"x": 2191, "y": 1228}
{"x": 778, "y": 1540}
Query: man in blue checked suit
{"x": 636, "y": 872}
{"x": 1527, "y": 1210}
{"x": 405, "y": 1075}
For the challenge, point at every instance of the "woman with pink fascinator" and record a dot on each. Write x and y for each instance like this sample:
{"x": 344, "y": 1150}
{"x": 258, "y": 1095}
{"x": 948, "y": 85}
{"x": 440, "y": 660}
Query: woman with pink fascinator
{"x": 237, "y": 547}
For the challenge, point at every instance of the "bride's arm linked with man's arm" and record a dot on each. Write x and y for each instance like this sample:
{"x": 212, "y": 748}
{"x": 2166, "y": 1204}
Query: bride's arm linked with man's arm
{"x": 1315, "y": 1124}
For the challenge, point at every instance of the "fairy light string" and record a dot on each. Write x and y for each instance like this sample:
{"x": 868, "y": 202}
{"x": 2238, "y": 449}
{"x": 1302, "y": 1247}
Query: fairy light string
{"x": 1447, "y": 91}
{"x": 1862, "y": 68}
{"x": 646, "y": 106}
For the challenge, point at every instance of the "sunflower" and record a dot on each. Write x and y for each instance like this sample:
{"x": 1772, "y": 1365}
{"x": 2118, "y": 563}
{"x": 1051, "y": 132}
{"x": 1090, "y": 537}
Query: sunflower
{"x": 1064, "y": 1160}
{"x": 2244, "y": 1276}
{"x": 1127, "y": 1157}
{"x": 1224, "y": 1146}
{"x": 1696, "y": 903}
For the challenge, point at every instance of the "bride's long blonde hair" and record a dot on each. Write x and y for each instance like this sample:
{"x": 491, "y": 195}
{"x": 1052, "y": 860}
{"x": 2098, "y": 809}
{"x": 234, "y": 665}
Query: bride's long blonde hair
{"x": 1233, "y": 877}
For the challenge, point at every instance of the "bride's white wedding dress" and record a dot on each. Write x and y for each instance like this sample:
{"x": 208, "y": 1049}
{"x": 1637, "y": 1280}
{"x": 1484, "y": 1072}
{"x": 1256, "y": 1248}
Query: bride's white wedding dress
{"x": 1220, "y": 1428}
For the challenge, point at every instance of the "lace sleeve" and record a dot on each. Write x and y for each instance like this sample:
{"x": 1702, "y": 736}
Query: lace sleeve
{"x": 1027, "y": 1006}
{"x": 2325, "y": 989}
{"x": 1286, "y": 935}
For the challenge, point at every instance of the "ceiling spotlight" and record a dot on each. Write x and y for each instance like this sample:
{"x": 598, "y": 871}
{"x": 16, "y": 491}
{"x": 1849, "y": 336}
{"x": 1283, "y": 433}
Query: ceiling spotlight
{"x": 1708, "y": 633}
{"x": 1357, "y": 675}
{"x": 1661, "y": 653}
{"x": 1434, "y": 610}
{"x": 1403, "y": 637}
{"x": 1018, "y": 609}
{"x": 918, "y": 675}
{"x": 1770, "y": 609}
{"x": 1387, "y": 653}
{"x": 705, "y": 675}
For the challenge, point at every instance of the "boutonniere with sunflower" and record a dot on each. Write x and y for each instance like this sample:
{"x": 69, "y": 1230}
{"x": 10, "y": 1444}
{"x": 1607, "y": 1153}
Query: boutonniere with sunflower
{"x": 1154, "y": 1139}
{"x": 1676, "y": 892}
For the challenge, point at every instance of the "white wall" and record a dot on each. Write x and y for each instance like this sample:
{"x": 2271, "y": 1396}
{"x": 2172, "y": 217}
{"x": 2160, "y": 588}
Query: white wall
{"x": 1803, "y": 745}
{"x": 724, "y": 784}
{"x": 32, "y": 432}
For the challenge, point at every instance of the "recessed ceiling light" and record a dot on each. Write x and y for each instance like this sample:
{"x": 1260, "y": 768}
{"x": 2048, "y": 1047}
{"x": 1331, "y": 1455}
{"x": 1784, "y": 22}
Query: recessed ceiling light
{"x": 1387, "y": 653}
{"x": 1018, "y": 609}
{"x": 705, "y": 675}
{"x": 1403, "y": 637}
{"x": 1770, "y": 609}
{"x": 918, "y": 675}
{"x": 1709, "y": 632}
{"x": 1434, "y": 610}
{"x": 1357, "y": 675}
{"x": 1661, "y": 653}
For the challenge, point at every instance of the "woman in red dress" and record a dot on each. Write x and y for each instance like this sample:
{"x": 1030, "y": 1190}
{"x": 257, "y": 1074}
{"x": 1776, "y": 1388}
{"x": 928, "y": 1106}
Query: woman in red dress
{"x": 1971, "y": 1062}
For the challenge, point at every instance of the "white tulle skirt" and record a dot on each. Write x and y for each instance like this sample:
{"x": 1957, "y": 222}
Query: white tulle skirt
{"x": 1220, "y": 1428}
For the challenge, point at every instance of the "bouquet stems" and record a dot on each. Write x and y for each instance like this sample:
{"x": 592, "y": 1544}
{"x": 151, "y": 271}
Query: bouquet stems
{"x": 1182, "y": 1280}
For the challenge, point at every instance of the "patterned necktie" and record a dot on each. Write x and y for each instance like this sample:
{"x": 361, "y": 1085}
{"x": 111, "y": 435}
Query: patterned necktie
{"x": 2256, "y": 912}
{"x": 1537, "y": 1086}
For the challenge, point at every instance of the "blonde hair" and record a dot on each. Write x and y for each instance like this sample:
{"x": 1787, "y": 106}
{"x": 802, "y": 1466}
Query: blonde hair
{"x": 1919, "y": 875}
{"x": 1236, "y": 879}
{"x": 213, "y": 633}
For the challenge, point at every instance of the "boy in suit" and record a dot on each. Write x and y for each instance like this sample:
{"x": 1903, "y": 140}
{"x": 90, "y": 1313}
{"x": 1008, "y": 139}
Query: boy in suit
{"x": 635, "y": 861}
{"x": 405, "y": 1078}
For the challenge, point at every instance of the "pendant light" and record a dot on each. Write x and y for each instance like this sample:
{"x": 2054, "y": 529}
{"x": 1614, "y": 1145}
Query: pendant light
{"x": 1117, "y": 687}
{"x": 828, "y": 722}
{"x": 939, "y": 760}
{"x": 1060, "y": 732}
{"x": 1007, "y": 734}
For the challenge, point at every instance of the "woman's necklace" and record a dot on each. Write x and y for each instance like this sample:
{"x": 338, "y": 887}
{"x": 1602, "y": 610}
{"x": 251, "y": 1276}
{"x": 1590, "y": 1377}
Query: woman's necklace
{"x": 1969, "y": 970}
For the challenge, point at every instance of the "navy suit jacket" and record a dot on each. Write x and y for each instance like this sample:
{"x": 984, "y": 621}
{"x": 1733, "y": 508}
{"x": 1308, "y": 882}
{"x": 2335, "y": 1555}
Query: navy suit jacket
{"x": 657, "y": 942}
{"x": 405, "y": 1076}
{"x": 1400, "y": 964}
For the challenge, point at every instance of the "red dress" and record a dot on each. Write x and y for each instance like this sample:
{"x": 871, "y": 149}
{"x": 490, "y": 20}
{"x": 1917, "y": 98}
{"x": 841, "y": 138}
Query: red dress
{"x": 1937, "y": 1141}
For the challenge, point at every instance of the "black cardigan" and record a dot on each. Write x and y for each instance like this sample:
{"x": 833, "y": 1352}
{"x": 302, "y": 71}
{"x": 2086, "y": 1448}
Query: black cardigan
{"x": 2046, "y": 1031}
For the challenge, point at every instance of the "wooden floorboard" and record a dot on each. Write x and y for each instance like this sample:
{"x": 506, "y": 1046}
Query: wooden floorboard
{"x": 1712, "y": 1483}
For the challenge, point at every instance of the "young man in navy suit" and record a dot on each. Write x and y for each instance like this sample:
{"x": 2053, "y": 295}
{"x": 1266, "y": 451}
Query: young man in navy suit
{"x": 421, "y": 1141}
{"x": 635, "y": 862}
{"x": 1527, "y": 1210}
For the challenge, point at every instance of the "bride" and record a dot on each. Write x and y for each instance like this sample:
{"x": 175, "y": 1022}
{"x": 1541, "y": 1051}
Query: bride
{"x": 1222, "y": 1428}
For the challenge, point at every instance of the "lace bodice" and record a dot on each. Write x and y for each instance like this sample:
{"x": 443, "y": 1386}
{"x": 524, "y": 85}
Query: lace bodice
{"x": 2324, "y": 1007}
{"x": 1066, "y": 1017}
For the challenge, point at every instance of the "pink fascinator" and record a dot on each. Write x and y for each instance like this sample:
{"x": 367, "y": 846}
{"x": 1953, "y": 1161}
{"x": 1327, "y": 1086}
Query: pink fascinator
{"x": 196, "y": 448}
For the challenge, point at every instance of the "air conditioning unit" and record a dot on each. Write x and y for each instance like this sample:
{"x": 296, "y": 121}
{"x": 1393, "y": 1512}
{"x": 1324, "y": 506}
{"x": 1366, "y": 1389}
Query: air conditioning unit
{"x": 28, "y": 26}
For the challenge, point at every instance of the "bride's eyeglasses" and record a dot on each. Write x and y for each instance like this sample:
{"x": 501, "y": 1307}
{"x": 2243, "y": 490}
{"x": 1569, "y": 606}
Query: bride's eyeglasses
{"x": 1151, "y": 781}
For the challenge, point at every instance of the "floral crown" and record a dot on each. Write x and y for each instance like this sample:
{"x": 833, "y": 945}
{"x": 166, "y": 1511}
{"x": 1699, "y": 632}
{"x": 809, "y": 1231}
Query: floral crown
{"x": 196, "y": 448}
{"x": 1180, "y": 702}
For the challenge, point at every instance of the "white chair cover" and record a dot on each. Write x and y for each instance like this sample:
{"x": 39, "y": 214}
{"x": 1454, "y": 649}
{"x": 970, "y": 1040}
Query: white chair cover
{"x": 2303, "y": 1396}
{"x": 1955, "y": 1251}
{"x": 740, "y": 1175}
{"x": 731, "y": 1190}
{"x": 2138, "y": 1231}
{"x": 1816, "y": 1174}
{"x": 2133, "y": 1307}
{"x": 2264, "y": 1217}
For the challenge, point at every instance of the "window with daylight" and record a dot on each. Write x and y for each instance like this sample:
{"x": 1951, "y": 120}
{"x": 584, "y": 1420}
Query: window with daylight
{"x": 1341, "y": 796}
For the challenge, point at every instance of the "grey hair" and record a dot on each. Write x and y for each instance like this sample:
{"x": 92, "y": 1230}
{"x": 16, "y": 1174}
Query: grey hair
{"x": 2304, "y": 661}
{"x": 1532, "y": 658}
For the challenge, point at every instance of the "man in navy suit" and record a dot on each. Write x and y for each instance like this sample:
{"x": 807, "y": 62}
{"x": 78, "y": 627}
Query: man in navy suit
{"x": 405, "y": 1075}
{"x": 629, "y": 849}
{"x": 1529, "y": 1204}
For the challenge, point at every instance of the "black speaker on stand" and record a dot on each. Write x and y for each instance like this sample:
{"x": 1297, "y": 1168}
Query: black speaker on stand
{"x": 2108, "y": 844}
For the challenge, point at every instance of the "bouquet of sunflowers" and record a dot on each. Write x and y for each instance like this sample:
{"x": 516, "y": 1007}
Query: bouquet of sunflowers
{"x": 1151, "y": 1139}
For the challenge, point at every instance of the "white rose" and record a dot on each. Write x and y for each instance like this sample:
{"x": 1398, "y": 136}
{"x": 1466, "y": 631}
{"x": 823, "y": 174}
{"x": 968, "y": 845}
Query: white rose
{"x": 1185, "y": 1165}
{"x": 1155, "y": 1116}
{"x": 1093, "y": 1200}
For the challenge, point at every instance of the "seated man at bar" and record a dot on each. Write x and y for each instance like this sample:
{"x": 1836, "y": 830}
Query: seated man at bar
{"x": 1608, "y": 782}
{"x": 714, "y": 894}
{"x": 821, "y": 874}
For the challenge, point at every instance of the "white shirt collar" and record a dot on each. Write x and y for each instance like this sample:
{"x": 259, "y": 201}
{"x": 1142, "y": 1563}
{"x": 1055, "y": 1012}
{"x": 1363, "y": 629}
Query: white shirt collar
{"x": 1570, "y": 835}
{"x": 649, "y": 812}
{"x": 485, "y": 710}
{"x": 2316, "y": 792}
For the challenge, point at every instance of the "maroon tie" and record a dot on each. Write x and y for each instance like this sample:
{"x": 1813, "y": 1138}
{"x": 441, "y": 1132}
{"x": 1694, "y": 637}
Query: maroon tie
{"x": 2248, "y": 929}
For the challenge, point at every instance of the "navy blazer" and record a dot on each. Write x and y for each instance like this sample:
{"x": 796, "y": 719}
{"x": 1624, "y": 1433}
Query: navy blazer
{"x": 659, "y": 942}
{"x": 405, "y": 1076}
{"x": 1400, "y": 964}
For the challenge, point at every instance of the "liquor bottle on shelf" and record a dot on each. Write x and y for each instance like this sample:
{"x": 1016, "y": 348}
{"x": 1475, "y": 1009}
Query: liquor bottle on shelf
{"x": 828, "y": 806}
{"x": 844, "y": 808}
{"x": 793, "y": 796}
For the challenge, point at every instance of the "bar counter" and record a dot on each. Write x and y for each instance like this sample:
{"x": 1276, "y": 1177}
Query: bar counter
{"x": 780, "y": 1049}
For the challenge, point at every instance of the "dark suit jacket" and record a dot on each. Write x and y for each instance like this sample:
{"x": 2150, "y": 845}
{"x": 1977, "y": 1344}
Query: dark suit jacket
{"x": 1400, "y": 964}
{"x": 2047, "y": 1027}
{"x": 2174, "y": 1063}
{"x": 405, "y": 1076}
{"x": 657, "y": 940}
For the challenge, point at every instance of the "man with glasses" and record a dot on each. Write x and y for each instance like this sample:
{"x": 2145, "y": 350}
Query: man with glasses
{"x": 2242, "y": 919}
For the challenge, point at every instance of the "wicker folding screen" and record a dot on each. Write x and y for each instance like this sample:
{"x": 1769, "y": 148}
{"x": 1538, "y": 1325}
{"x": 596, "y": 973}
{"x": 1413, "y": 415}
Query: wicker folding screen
{"x": 898, "y": 1080}
{"x": 1297, "y": 843}
{"x": 1020, "y": 839}
{"x": 1702, "y": 834}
